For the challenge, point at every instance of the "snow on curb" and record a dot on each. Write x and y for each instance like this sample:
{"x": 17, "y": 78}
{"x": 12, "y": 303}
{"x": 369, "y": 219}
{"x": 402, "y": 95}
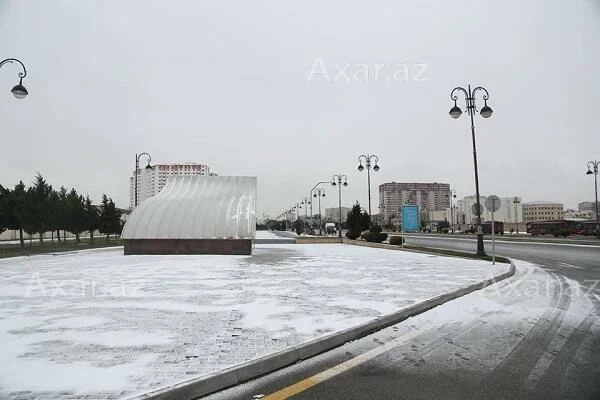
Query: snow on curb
{"x": 205, "y": 384}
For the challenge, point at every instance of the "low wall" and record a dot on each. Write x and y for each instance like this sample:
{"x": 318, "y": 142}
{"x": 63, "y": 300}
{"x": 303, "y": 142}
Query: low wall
{"x": 317, "y": 240}
{"x": 188, "y": 246}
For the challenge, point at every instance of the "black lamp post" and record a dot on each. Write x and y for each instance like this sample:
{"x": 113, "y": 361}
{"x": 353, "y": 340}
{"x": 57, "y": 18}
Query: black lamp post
{"x": 594, "y": 165}
{"x": 339, "y": 178}
{"x": 485, "y": 112}
{"x": 137, "y": 167}
{"x": 516, "y": 202}
{"x": 319, "y": 193}
{"x": 18, "y": 90}
{"x": 305, "y": 202}
{"x": 368, "y": 158}
{"x": 310, "y": 195}
{"x": 452, "y": 196}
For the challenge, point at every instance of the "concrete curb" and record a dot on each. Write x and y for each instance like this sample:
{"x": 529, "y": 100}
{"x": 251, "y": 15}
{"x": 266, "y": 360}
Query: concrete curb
{"x": 206, "y": 384}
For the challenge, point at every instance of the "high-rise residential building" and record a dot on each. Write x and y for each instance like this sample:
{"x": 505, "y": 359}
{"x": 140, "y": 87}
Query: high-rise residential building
{"x": 588, "y": 206}
{"x": 542, "y": 211}
{"x": 152, "y": 181}
{"x": 511, "y": 210}
{"x": 334, "y": 214}
{"x": 428, "y": 196}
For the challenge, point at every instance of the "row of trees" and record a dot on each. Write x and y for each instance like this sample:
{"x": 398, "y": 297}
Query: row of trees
{"x": 39, "y": 208}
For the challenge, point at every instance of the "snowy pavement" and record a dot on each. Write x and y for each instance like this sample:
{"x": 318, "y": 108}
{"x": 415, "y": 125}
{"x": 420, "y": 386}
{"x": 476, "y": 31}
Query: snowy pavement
{"x": 99, "y": 325}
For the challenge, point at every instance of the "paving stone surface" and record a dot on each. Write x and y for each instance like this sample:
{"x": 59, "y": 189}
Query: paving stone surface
{"x": 100, "y": 325}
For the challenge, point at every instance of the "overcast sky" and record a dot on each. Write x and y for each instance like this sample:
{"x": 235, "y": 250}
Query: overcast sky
{"x": 263, "y": 88}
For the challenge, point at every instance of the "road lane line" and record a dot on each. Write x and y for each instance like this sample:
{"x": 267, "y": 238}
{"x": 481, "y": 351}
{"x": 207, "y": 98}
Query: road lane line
{"x": 314, "y": 380}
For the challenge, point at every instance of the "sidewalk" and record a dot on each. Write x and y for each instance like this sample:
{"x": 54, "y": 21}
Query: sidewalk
{"x": 98, "y": 325}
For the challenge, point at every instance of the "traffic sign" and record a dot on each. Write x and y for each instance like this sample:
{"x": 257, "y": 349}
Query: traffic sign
{"x": 492, "y": 203}
{"x": 476, "y": 210}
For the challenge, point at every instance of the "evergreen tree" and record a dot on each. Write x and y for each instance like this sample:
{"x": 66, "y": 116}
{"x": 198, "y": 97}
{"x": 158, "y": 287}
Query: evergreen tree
{"x": 110, "y": 217}
{"x": 39, "y": 203}
{"x": 91, "y": 218}
{"x": 357, "y": 221}
{"x": 75, "y": 220}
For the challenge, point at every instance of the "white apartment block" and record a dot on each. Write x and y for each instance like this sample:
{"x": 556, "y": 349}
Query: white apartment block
{"x": 334, "y": 214}
{"x": 511, "y": 210}
{"x": 428, "y": 196}
{"x": 542, "y": 211}
{"x": 152, "y": 181}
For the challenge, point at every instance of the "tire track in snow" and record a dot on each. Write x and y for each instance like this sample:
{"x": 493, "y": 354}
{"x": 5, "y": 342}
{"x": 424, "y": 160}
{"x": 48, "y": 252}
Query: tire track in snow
{"x": 510, "y": 375}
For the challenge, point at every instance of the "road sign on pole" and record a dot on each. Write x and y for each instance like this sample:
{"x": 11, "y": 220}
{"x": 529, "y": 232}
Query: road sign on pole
{"x": 492, "y": 203}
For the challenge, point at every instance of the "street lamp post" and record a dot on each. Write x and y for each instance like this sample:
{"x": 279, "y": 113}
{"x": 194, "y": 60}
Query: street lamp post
{"x": 594, "y": 165}
{"x": 137, "y": 167}
{"x": 310, "y": 195}
{"x": 367, "y": 158}
{"x": 339, "y": 178}
{"x": 319, "y": 193}
{"x": 516, "y": 202}
{"x": 306, "y": 202}
{"x": 452, "y": 196}
{"x": 485, "y": 112}
{"x": 18, "y": 90}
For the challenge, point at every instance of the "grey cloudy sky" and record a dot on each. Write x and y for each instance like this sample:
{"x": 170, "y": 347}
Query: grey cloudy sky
{"x": 228, "y": 84}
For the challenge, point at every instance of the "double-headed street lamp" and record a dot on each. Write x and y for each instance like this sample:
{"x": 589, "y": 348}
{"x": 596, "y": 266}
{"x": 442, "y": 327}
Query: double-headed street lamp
{"x": 18, "y": 90}
{"x": 516, "y": 202}
{"x": 367, "y": 158}
{"x": 339, "y": 178}
{"x": 305, "y": 201}
{"x": 594, "y": 165}
{"x": 319, "y": 193}
{"x": 452, "y": 196}
{"x": 311, "y": 195}
{"x": 485, "y": 112}
{"x": 137, "y": 167}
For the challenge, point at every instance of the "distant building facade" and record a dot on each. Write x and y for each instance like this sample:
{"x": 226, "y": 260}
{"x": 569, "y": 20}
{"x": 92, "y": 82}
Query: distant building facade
{"x": 588, "y": 206}
{"x": 542, "y": 211}
{"x": 511, "y": 210}
{"x": 428, "y": 196}
{"x": 579, "y": 215}
{"x": 333, "y": 214}
{"x": 152, "y": 181}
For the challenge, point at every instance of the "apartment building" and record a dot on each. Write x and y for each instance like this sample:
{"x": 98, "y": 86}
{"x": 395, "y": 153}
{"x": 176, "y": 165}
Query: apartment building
{"x": 334, "y": 214}
{"x": 511, "y": 210}
{"x": 152, "y": 181}
{"x": 542, "y": 211}
{"x": 428, "y": 196}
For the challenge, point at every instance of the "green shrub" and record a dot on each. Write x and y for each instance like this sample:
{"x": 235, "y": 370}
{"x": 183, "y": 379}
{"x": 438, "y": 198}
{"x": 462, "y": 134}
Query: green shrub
{"x": 374, "y": 237}
{"x": 352, "y": 235}
{"x": 376, "y": 229}
{"x": 445, "y": 230}
{"x": 397, "y": 240}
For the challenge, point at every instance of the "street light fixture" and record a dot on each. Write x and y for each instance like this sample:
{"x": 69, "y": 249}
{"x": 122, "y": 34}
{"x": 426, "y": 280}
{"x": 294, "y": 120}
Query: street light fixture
{"x": 306, "y": 202}
{"x": 594, "y": 165}
{"x": 137, "y": 167}
{"x": 339, "y": 184}
{"x": 367, "y": 158}
{"x": 485, "y": 112}
{"x": 319, "y": 193}
{"x": 19, "y": 91}
{"x": 452, "y": 196}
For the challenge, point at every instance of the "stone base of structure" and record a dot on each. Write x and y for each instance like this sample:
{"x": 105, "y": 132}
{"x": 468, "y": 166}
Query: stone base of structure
{"x": 188, "y": 246}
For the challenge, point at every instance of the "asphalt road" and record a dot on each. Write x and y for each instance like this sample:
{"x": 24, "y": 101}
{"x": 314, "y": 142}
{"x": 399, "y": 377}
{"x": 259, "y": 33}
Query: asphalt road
{"x": 533, "y": 336}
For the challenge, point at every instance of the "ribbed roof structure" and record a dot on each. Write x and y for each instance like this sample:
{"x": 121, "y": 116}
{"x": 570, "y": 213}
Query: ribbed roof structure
{"x": 197, "y": 207}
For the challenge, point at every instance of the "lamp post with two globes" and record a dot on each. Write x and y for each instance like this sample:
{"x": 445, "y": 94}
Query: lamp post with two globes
{"x": 339, "y": 178}
{"x": 485, "y": 112}
{"x": 368, "y": 158}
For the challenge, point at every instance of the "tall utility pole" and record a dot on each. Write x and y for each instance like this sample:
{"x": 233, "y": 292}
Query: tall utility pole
{"x": 516, "y": 202}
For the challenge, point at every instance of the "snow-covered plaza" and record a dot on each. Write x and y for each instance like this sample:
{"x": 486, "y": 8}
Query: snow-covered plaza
{"x": 102, "y": 325}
